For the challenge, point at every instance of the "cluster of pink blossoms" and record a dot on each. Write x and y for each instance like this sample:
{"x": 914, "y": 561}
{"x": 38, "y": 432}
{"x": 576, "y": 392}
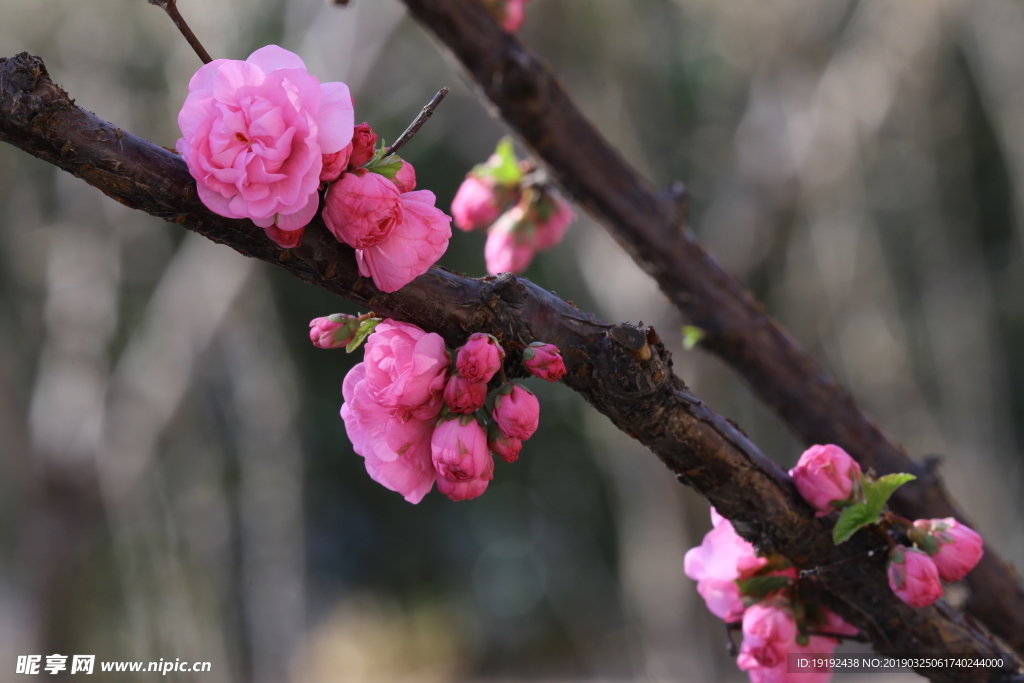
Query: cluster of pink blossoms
{"x": 757, "y": 593}
{"x": 522, "y": 218}
{"x": 260, "y": 137}
{"x": 510, "y": 13}
{"x": 943, "y": 549}
{"x": 417, "y": 417}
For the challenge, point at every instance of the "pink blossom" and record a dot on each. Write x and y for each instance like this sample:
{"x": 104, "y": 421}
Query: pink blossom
{"x": 334, "y": 331}
{"x": 362, "y": 209}
{"x": 396, "y": 450}
{"x": 476, "y": 204}
{"x": 517, "y": 413}
{"x": 769, "y": 636}
{"x": 827, "y": 478}
{"x": 552, "y": 216}
{"x": 364, "y": 143}
{"x": 515, "y": 14}
{"x": 717, "y": 563}
{"x": 544, "y": 361}
{"x": 460, "y": 456}
{"x": 503, "y": 445}
{"x": 464, "y": 396}
{"x": 409, "y": 251}
{"x": 510, "y": 246}
{"x": 833, "y": 623}
{"x": 479, "y": 358}
{"x": 769, "y": 633}
{"x": 954, "y": 547}
{"x": 335, "y": 164}
{"x": 254, "y": 134}
{"x": 913, "y": 576}
{"x": 405, "y": 179}
{"x": 406, "y": 369}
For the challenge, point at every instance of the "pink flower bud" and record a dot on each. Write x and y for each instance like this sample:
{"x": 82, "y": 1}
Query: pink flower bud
{"x": 459, "y": 452}
{"x": 510, "y": 246}
{"x": 476, "y": 204}
{"x": 333, "y": 332}
{"x": 335, "y": 164}
{"x": 722, "y": 558}
{"x": 913, "y": 576}
{"x": 503, "y": 445}
{"x": 464, "y": 396}
{"x": 286, "y": 239}
{"x": 544, "y": 361}
{"x": 364, "y": 140}
{"x": 954, "y": 548}
{"x": 515, "y": 14}
{"x": 552, "y": 216}
{"x": 479, "y": 358}
{"x": 405, "y": 179}
{"x": 517, "y": 412}
{"x": 828, "y": 478}
{"x": 363, "y": 209}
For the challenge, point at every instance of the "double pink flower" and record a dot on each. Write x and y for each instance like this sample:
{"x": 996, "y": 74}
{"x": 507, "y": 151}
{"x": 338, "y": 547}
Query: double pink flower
{"x": 397, "y": 235}
{"x": 254, "y": 133}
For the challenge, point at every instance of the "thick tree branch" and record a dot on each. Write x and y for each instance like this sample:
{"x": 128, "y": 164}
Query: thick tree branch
{"x": 622, "y": 371}
{"x": 534, "y": 103}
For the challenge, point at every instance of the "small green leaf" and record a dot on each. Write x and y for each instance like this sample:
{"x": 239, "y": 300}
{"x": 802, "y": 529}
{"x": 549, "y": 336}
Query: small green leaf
{"x": 364, "y": 331}
{"x": 860, "y": 515}
{"x": 691, "y": 336}
{"x": 852, "y": 518}
{"x": 878, "y": 492}
{"x": 389, "y": 169}
{"x": 503, "y": 166}
{"x": 760, "y": 586}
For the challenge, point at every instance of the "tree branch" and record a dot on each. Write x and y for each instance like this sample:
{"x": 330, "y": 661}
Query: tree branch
{"x": 623, "y": 371}
{"x": 534, "y": 103}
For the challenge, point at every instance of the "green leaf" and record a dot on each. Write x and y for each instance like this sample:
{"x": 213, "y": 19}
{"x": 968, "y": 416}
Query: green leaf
{"x": 389, "y": 169}
{"x": 364, "y": 331}
{"x": 760, "y": 586}
{"x": 503, "y": 166}
{"x": 691, "y": 336}
{"x": 878, "y": 492}
{"x": 852, "y": 518}
{"x": 860, "y": 515}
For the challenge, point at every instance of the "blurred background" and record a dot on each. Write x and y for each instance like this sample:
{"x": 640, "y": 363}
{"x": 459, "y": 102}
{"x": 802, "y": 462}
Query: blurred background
{"x": 175, "y": 481}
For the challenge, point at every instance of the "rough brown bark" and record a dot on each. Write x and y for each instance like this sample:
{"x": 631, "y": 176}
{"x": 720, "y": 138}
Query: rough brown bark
{"x": 534, "y": 103}
{"x": 621, "y": 370}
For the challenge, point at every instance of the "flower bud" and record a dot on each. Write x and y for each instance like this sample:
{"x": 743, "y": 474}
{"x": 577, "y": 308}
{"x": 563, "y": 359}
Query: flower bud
{"x": 335, "y": 164}
{"x": 464, "y": 396}
{"x": 954, "y": 548}
{"x": 503, "y": 445}
{"x": 476, "y": 204}
{"x": 827, "y": 478}
{"x": 552, "y": 216}
{"x": 913, "y": 576}
{"x": 459, "y": 452}
{"x": 333, "y": 332}
{"x": 517, "y": 412}
{"x": 405, "y": 179}
{"x": 364, "y": 143}
{"x": 544, "y": 361}
{"x": 479, "y": 358}
{"x": 510, "y": 246}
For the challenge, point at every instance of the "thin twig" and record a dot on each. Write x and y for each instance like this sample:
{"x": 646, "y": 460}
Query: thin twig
{"x": 417, "y": 123}
{"x": 171, "y": 7}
